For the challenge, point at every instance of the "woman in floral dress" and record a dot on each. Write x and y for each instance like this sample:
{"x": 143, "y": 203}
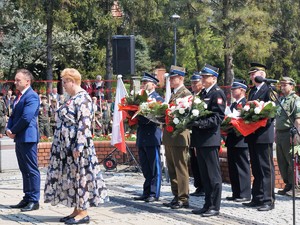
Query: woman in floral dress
{"x": 73, "y": 176}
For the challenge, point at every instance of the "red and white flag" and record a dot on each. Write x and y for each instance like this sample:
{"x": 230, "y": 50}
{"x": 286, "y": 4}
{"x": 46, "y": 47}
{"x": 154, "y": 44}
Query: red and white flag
{"x": 118, "y": 137}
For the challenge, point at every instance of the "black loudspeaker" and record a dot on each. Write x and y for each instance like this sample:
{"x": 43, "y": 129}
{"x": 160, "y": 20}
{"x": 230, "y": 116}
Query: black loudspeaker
{"x": 123, "y": 54}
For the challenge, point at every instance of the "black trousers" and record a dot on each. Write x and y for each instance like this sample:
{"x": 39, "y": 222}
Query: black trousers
{"x": 209, "y": 166}
{"x": 195, "y": 169}
{"x": 261, "y": 159}
{"x": 239, "y": 172}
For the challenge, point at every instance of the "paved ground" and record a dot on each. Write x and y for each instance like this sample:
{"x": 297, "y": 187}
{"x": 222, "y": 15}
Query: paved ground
{"x": 122, "y": 210}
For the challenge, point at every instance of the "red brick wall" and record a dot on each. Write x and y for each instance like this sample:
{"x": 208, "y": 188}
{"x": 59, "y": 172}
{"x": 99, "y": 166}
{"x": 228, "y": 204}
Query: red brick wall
{"x": 103, "y": 148}
{"x": 225, "y": 174}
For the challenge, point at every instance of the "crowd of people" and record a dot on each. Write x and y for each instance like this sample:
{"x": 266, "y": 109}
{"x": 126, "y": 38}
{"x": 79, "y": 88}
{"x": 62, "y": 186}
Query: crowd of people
{"x": 74, "y": 178}
{"x": 102, "y": 121}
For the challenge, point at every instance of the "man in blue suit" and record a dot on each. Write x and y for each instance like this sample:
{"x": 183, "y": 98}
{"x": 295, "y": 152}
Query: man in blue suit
{"x": 148, "y": 142}
{"x": 23, "y": 128}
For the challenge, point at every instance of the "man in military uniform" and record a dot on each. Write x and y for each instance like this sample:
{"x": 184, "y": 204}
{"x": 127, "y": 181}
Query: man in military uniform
{"x": 291, "y": 103}
{"x": 176, "y": 148}
{"x": 238, "y": 152}
{"x": 207, "y": 140}
{"x": 197, "y": 87}
{"x": 148, "y": 142}
{"x": 52, "y": 111}
{"x": 44, "y": 120}
{"x": 260, "y": 145}
{"x": 3, "y": 114}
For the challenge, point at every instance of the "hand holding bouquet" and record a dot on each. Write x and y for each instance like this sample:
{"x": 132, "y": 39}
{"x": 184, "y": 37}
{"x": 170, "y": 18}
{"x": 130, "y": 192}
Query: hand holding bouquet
{"x": 185, "y": 111}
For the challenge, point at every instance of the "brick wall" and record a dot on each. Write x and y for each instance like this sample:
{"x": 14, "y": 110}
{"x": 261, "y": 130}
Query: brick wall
{"x": 104, "y": 148}
{"x": 225, "y": 174}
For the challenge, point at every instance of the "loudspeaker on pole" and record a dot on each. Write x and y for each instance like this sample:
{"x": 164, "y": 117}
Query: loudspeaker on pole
{"x": 123, "y": 54}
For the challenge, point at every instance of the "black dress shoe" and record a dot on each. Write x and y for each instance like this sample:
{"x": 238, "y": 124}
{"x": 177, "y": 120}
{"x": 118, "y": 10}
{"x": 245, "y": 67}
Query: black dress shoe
{"x": 81, "y": 221}
{"x": 64, "y": 219}
{"x": 199, "y": 211}
{"x": 210, "y": 212}
{"x": 31, "y": 206}
{"x": 20, "y": 205}
{"x": 241, "y": 199}
{"x": 140, "y": 198}
{"x": 169, "y": 204}
{"x": 151, "y": 199}
{"x": 198, "y": 193}
{"x": 266, "y": 207}
{"x": 253, "y": 204}
{"x": 230, "y": 198}
{"x": 179, "y": 205}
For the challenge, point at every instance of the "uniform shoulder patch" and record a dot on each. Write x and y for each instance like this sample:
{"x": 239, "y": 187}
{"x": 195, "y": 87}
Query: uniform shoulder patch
{"x": 220, "y": 101}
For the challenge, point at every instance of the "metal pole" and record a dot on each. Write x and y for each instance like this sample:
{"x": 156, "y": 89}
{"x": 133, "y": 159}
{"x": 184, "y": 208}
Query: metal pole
{"x": 175, "y": 40}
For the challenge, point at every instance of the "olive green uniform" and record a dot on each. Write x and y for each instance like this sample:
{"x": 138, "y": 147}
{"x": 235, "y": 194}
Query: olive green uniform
{"x": 291, "y": 104}
{"x": 44, "y": 120}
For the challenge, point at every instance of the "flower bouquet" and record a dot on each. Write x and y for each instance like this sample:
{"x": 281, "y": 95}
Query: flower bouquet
{"x": 130, "y": 105}
{"x": 226, "y": 125}
{"x": 154, "y": 111}
{"x": 184, "y": 110}
{"x": 254, "y": 115}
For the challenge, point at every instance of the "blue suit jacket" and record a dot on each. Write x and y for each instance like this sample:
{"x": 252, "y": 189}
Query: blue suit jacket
{"x": 23, "y": 120}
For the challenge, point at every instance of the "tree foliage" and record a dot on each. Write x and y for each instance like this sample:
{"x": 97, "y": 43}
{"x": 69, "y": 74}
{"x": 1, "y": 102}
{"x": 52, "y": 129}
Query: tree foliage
{"x": 225, "y": 33}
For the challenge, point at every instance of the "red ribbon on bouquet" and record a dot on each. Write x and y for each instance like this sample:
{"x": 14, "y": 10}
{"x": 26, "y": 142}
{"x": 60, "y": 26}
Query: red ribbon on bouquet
{"x": 248, "y": 128}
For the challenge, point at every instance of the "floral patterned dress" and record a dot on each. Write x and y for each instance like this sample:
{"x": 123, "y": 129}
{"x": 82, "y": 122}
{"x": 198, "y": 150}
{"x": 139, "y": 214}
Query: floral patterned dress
{"x": 74, "y": 182}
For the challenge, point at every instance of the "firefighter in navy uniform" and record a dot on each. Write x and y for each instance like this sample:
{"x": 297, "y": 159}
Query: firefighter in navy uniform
{"x": 206, "y": 139}
{"x": 260, "y": 145}
{"x": 148, "y": 142}
{"x": 197, "y": 87}
{"x": 238, "y": 152}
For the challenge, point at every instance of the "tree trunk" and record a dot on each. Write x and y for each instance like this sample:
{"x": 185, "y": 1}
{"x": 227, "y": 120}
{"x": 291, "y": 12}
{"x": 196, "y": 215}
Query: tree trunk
{"x": 49, "y": 18}
{"x": 108, "y": 75}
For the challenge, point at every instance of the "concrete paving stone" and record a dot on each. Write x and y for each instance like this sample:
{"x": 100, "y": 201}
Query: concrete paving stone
{"x": 122, "y": 210}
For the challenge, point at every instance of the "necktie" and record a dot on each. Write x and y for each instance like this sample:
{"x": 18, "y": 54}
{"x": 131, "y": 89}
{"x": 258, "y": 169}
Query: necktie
{"x": 233, "y": 105}
{"x": 18, "y": 99}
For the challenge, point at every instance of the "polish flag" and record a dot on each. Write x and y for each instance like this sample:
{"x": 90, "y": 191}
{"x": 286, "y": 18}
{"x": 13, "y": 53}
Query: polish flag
{"x": 118, "y": 137}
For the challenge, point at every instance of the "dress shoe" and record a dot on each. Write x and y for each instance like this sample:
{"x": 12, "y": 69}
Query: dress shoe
{"x": 210, "y": 212}
{"x": 198, "y": 193}
{"x": 169, "y": 204}
{"x": 20, "y": 205}
{"x": 199, "y": 211}
{"x": 253, "y": 204}
{"x": 64, "y": 219}
{"x": 266, "y": 207}
{"x": 286, "y": 189}
{"x": 140, "y": 198}
{"x": 81, "y": 221}
{"x": 151, "y": 199}
{"x": 179, "y": 205}
{"x": 30, "y": 207}
{"x": 230, "y": 198}
{"x": 241, "y": 199}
